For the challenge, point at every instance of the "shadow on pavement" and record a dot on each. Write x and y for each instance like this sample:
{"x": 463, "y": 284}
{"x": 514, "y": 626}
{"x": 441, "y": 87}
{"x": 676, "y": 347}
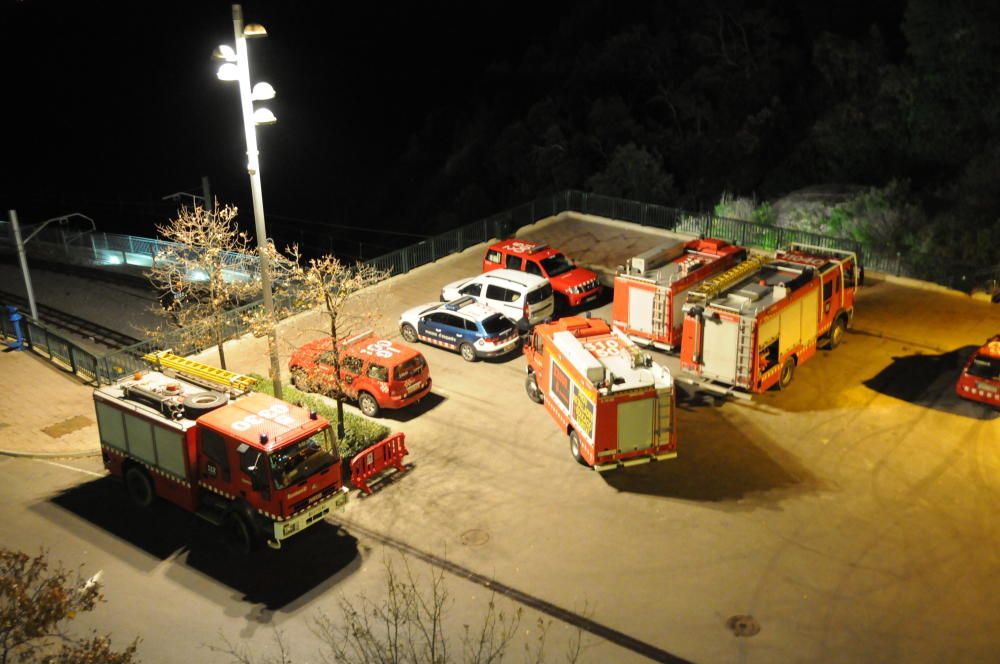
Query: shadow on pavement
{"x": 268, "y": 577}
{"x": 929, "y": 381}
{"x": 718, "y": 462}
{"x": 428, "y": 403}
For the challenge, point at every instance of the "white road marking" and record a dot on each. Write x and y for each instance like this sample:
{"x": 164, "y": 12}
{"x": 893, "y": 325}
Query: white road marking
{"x": 79, "y": 470}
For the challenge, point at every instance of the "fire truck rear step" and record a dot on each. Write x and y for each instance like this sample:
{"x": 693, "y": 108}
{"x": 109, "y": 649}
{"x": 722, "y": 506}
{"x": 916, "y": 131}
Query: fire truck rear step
{"x": 709, "y": 386}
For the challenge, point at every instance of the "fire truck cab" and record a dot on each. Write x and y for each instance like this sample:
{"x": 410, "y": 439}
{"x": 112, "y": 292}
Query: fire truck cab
{"x": 613, "y": 402}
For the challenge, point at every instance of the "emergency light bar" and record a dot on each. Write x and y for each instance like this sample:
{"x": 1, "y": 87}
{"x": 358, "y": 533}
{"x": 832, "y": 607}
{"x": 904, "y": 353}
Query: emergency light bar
{"x": 538, "y": 247}
{"x": 455, "y": 305}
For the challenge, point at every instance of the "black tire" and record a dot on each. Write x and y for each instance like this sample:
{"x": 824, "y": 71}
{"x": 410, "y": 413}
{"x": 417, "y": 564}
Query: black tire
{"x": 787, "y": 373}
{"x": 574, "y": 448}
{"x": 199, "y": 403}
{"x": 468, "y": 352}
{"x": 837, "y": 332}
{"x": 408, "y": 332}
{"x": 139, "y": 486}
{"x": 531, "y": 387}
{"x": 560, "y": 305}
{"x": 368, "y": 404}
{"x": 239, "y": 535}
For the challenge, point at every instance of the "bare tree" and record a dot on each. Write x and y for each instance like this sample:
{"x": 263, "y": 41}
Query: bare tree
{"x": 205, "y": 271}
{"x": 344, "y": 296}
{"x": 410, "y": 625}
{"x": 37, "y": 602}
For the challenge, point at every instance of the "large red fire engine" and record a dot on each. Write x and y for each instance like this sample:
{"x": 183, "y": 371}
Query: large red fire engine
{"x": 615, "y": 404}
{"x": 650, "y": 288}
{"x": 749, "y": 327}
{"x": 263, "y": 468}
{"x": 980, "y": 377}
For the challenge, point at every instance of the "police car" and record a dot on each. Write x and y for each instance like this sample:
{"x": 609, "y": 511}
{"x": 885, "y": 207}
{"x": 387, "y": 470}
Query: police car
{"x": 462, "y": 325}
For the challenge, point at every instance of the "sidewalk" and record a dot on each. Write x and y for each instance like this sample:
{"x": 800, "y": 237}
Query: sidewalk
{"x": 43, "y": 410}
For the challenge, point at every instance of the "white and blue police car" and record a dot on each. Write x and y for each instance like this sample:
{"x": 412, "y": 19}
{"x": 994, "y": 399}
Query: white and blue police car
{"x": 462, "y": 325}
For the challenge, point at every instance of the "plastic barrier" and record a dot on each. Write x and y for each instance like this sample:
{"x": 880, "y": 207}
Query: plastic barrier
{"x": 377, "y": 458}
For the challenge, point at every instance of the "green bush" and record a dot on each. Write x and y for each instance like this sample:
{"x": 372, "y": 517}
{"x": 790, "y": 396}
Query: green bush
{"x": 359, "y": 432}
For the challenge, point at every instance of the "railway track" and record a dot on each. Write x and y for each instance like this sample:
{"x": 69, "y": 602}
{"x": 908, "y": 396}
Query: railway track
{"x": 80, "y": 327}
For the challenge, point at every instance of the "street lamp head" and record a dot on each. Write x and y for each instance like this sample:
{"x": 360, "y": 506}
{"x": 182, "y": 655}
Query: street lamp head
{"x": 262, "y": 92}
{"x": 224, "y": 52}
{"x": 228, "y": 72}
{"x": 264, "y": 116}
{"x": 254, "y": 30}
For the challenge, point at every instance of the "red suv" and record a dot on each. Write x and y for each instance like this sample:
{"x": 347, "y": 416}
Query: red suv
{"x": 574, "y": 286}
{"x": 980, "y": 377}
{"x": 377, "y": 373}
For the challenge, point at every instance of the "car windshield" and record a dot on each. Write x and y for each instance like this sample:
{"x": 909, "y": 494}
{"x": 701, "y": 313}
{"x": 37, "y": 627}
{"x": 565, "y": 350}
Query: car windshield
{"x": 410, "y": 368}
{"x": 985, "y": 367}
{"x": 556, "y": 264}
{"x": 303, "y": 458}
{"x": 540, "y": 294}
{"x": 496, "y": 324}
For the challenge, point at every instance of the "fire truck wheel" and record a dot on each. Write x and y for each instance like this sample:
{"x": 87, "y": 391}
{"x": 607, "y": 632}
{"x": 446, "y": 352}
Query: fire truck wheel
{"x": 574, "y": 448}
{"x": 368, "y": 404}
{"x": 408, "y": 332}
{"x": 468, "y": 352}
{"x": 787, "y": 371}
{"x": 199, "y": 403}
{"x": 837, "y": 333}
{"x": 139, "y": 486}
{"x": 238, "y": 533}
{"x": 531, "y": 387}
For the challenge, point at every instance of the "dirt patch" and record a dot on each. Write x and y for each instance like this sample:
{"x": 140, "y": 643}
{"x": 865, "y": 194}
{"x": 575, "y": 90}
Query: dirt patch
{"x": 60, "y": 429}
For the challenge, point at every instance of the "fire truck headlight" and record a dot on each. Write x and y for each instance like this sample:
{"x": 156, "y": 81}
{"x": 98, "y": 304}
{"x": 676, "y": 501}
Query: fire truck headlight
{"x": 289, "y": 528}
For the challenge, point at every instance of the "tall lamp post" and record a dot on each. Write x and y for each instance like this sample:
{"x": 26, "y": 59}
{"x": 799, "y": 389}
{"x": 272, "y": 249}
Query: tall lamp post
{"x": 237, "y": 68}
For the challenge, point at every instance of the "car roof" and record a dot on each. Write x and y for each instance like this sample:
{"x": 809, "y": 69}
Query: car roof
{"x": 467, "y": 307}
{"x": 519, "y": 278}
{"x": 355, "y": 344}
{"x": 537, "y": 250}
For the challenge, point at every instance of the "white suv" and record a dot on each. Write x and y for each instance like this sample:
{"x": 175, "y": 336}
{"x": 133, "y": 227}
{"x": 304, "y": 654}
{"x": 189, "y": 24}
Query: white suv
{"x": 524, "y": 298}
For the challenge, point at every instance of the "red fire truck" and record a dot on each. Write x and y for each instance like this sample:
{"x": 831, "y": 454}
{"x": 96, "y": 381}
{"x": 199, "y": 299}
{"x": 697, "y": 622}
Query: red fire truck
{"x": 749, "y": 327}
{"x": 199, "y": 438}
{"x": 650, "y": 288}
{"x": 980, "y": 377}
{"x": 614, "y": 403}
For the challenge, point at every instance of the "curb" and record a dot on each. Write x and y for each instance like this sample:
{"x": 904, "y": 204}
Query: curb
{"x": 49, "y": 455}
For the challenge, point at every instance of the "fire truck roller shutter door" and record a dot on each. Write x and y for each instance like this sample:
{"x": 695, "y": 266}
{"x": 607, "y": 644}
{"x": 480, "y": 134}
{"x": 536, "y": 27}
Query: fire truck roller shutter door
{"x": 719, "y": 350}
{"x": 791, "y": 327}
{"x": 635, "y": 424}
{"x": 640, "y": 309}
{"x": 810, "y": 316}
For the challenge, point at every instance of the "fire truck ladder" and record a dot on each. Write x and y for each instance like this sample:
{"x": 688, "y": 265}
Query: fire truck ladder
{"x": 712, "y": 287}
{"x": 659, "y": 312}
{"x": 744, "y": 351}
{"x": 663, "y": 402}
{"x": 201, "y": 373}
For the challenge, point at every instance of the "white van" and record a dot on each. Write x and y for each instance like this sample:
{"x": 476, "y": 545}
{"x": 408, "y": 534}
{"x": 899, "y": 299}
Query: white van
{"x": 524, "y": 298}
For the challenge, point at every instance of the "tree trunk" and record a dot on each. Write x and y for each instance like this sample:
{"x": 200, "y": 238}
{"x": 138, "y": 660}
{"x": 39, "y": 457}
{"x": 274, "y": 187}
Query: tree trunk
{"x": 219, "y": 341}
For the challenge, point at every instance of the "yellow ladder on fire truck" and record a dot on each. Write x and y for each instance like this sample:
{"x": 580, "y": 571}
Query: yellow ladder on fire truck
{"x": 712, "y": 287}
{"x": 201, "y": 372}
{"x": 744, "y": 351}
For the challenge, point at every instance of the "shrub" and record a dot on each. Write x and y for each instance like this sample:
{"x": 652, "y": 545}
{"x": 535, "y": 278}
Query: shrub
{"x": 359, "y": 432}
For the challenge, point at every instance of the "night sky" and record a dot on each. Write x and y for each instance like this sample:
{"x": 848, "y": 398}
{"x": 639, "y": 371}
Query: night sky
{"x": 111, "y": 106}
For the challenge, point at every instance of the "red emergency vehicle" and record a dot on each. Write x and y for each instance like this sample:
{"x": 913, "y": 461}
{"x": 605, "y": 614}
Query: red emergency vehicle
{"x": 199, "y": 438}
{"x": 980, "y": 377}
{"x": 749, "y": 327}
{"x": 377, "y": 373}
{"x": 574, "y": 286}
{"x": 613, "y": 402}
{"x": 650, "y": 288}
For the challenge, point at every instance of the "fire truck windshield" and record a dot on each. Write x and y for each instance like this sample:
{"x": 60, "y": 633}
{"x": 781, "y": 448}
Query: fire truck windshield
{"x": 556, "y": 264}
{"x": 303, "y": 458}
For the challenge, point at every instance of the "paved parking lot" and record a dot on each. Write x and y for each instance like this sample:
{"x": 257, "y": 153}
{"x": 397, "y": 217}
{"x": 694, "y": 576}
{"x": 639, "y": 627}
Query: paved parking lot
{"x": 850, "y": 518}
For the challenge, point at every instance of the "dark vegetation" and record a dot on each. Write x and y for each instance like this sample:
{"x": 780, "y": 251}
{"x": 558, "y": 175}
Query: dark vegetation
{"x": 676, "y": 104}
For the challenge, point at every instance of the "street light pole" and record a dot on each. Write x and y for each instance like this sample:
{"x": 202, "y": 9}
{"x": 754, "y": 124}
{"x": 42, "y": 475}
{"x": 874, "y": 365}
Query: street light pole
{"x": 22, "y": 256}
{"x": 253, "y": 168}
